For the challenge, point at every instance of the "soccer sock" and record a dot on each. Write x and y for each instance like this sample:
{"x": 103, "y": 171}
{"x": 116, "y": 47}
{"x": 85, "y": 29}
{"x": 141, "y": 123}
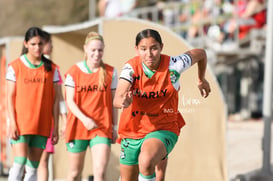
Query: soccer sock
{"x": 146, "y": 178}
{"x": 17, "y": 170}
{"x": 31, "y": 170}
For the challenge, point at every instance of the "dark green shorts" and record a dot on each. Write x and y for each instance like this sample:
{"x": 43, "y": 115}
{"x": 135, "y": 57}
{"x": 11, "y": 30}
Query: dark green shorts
{"x": 76, "y": 146}
{"x": 36, "y": 141}
{"x": 130, "y": 148}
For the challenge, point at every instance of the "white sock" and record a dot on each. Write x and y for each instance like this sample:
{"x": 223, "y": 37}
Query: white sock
{"x": 16, "y": 172}
{"x": 141, "y": 178}
{"x": 31, "y": 174}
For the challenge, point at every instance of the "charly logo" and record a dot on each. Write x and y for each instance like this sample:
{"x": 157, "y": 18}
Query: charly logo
{"x": 167, "y": 141}
{"x": 35, "y": 80}
{"x": 90, "y": 88}
{"x": 149, "y": 95}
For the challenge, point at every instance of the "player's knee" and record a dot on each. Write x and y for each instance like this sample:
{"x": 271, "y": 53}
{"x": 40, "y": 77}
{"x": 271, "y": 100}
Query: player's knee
{"x": 146, "y": 165}
{"x": 43, "y": 164}
{"x": 75, "y": 174}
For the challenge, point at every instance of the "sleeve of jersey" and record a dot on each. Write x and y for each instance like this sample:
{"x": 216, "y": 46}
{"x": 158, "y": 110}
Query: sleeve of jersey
{"x": 60, "y": 76}
{"x": 127, "y": 73}
{"x": 114, "y": 80}
{"x": 180, "y": 63}
{"x": 56, "y": 77}
{"x": 10, "y": 75}
{"x": 69, "y": 81}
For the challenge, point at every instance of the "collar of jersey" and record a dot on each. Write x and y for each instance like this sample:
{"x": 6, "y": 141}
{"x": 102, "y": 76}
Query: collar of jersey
{"x": 30, "y": 64}
{"x": 88, "y": 69}
{"x": 148, "y": 72}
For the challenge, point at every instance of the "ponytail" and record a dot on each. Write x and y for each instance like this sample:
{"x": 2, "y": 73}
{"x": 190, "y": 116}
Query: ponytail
{"x": 102, "y": 75}
{"x": 47, "y": 63}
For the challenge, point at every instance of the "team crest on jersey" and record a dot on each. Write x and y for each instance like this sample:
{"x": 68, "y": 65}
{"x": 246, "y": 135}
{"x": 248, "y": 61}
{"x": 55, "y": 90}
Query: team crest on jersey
{"x": 174, "y": 76}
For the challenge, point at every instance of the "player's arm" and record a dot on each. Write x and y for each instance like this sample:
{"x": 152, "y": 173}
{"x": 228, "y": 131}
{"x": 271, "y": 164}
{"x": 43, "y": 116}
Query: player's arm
{"x": 114, "y": 109}
{"x": 13, "y": 131}
{"x": 88, "y": 122}
{"x": 11, "y": 88}
{"x": 123, "y": 97}
{"x": 199, "y": 56}
{"x": 55, "y": 136}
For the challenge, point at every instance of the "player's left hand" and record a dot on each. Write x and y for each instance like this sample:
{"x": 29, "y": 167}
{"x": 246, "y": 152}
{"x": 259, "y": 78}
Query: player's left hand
{"x": 55, "y": 136}
{"x": 204, "y": 88}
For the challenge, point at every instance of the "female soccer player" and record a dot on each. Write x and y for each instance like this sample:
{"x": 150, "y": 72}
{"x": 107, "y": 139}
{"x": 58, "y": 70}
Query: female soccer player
{"x": 91, "y": 121}
{"x": 31, "y": 87}
{"x": 147, "y": 92}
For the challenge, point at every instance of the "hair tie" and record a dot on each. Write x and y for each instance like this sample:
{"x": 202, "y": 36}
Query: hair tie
{"x": 93, "y": 38}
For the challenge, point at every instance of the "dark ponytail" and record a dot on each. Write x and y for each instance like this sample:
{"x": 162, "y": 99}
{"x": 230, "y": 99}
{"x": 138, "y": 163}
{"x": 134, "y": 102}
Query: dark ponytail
{"x": 32, "y": 32}
{"x": 47, "y": 63}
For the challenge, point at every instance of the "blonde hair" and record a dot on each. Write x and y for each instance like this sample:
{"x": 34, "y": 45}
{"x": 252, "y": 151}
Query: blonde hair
{"x": 102, "y": 74}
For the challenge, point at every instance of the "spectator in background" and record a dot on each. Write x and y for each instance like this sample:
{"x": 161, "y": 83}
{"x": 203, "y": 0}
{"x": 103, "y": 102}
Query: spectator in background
{"x": 202, "y": 13}
{"x": 248, "y": 14}
{"x": 109, "y": 8}
{"x": 127, "y": 6}
{"x": 115, "y": 8}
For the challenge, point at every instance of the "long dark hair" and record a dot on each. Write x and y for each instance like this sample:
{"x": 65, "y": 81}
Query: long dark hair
{"x": 32, "y": 32}
{"x": 148, "y": 33}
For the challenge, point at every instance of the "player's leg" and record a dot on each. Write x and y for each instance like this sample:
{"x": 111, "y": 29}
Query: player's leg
{"x": 76, "y": 153}
{"x": 130, "y": 150}
{"x": 19, "y": 148}
{"x": 156, "y": 146}
{"x": 43, "y": 171}
{"x": 43, "y": 167}
{"x": 152, "y": 152}
{"x": 160, "y": 170}
{"x": 128, "y": 172}
{"x": 100, "y": 148}
{"x": 36, "y": 146}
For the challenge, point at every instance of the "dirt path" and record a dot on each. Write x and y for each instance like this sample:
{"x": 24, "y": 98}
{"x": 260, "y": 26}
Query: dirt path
{"x": 244, "y": 147}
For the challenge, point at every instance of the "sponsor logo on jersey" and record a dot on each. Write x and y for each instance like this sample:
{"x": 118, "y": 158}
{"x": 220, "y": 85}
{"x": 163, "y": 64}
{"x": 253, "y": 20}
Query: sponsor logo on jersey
{"x": 90, "y": 88}
{"x": 34, "y": 80}
{"x": 149, "y": 95}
